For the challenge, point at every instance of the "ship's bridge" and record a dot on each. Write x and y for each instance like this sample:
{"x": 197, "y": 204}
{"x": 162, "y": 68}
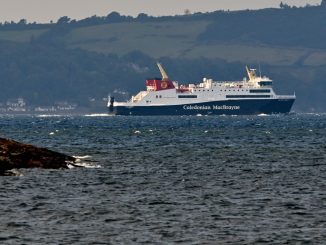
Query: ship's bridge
{"x": 265, "y": 82}
{"x": 258, "y": 81}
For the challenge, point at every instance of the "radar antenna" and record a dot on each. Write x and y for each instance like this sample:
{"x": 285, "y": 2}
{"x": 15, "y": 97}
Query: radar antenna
{"x": 163, "y": 73}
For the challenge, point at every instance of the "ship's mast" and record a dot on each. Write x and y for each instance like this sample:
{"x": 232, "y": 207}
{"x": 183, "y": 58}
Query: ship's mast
{"x": 251, "y": 73}
{"x": 163, "y": 73}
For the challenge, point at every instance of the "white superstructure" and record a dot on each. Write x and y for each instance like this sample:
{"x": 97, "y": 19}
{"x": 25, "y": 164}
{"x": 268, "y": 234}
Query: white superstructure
{"x": 158, "y": 92}
{"x": 252, "y": 95}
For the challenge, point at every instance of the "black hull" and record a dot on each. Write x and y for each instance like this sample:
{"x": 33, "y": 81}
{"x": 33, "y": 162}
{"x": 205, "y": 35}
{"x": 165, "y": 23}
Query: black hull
{"x": 228, "y": 107}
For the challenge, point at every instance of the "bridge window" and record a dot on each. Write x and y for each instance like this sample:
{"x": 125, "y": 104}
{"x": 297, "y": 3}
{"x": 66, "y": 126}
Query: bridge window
{"x": 265, "y": 83}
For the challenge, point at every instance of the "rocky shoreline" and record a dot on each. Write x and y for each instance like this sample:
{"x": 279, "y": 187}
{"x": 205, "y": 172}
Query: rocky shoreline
{"x": 16, "y": 155}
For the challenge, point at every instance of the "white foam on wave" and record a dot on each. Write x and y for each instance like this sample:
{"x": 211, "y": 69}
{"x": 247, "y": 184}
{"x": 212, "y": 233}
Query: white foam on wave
{"x": 84, "y": 164}
{"x": 14, "y": 172}
{"x": 82, "y": 157}
{"x": 263, "y": 115}
{"x": 98, "y": 115}
{"x": 49, "y": 115}
{"x": 81, "y": 162}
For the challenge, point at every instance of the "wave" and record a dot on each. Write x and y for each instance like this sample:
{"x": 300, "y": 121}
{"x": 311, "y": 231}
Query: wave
{"x": 49, "y": 115}
{"x": 82, "y": 157}
{"x": 84, "y": 164}
{"x": 81, "y": 162}
{"x": 262, "y": 115}
{"x": 98, "y": 115}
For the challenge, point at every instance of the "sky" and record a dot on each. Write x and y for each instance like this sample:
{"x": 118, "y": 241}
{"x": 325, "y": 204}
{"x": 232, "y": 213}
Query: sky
{"x": 43, "y": 11}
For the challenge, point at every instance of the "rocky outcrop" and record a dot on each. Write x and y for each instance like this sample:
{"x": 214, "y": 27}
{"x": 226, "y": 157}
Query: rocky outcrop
{"x": 15, "y": 155}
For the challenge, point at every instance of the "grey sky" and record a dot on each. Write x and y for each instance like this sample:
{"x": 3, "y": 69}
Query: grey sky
{"x": 46, "y": 10}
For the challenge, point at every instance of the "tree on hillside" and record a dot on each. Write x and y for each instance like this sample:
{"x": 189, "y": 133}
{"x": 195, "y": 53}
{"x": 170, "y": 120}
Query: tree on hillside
{"x": 22, "y": 22}
{"x": 284, "y": 6}
{"x": 142, "y": 17}
{"x": 63, "y": 20}
{"x": 114, "y": 17}
{"x": 187, "y": 12}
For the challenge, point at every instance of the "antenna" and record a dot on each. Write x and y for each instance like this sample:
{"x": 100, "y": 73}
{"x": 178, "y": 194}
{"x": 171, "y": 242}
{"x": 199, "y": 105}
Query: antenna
{"x": 259, "y": 69}
{"x": 163, "y": 73}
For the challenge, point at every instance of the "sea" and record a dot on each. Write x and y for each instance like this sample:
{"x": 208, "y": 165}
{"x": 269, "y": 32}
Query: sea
{"x": 169, "y": 180}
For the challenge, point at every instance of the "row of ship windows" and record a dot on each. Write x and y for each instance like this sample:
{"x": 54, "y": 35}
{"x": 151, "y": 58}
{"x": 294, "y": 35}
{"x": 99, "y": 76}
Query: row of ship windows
{"x": 220, "y": 90}
{"x": 227, "y": 96}
{"x": 195, "y": 96}
{"x": 251, "y": 90}
{"x": 248, "y": 96}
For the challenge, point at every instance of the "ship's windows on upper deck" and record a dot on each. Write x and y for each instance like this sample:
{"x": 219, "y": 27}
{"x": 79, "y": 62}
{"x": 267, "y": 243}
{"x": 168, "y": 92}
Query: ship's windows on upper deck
{"x": 247, "y": 96}
{"x": 187, "y": 96}
{"x": 269, "y": 83}
{"x": 260, "y": 90}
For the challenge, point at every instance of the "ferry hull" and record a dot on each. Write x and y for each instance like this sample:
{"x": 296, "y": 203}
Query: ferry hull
{"x": 227, "y": 107}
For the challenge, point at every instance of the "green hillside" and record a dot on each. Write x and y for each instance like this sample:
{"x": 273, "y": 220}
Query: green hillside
{"x": 83, "y": 61}
{"x": 21, "y": 35}
{"x": 168, "y": 38}
{"x": 179, "y": 40}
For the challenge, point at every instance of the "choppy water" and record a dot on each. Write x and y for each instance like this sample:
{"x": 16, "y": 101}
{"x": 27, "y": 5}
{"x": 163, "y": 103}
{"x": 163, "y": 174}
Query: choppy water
{"x": 167, "y": 180}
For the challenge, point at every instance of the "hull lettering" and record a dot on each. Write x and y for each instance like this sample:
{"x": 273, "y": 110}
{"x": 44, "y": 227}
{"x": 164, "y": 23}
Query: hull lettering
{"x": 214, "y": 107}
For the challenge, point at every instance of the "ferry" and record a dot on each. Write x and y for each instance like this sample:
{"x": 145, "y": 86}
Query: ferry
{"x": 251, "y": 96}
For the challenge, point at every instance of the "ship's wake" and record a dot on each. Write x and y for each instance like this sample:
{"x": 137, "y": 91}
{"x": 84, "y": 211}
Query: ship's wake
{"x": 98, "y": 115}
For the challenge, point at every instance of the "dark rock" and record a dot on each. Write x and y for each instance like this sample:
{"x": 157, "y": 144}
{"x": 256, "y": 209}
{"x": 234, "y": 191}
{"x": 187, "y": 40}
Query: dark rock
{"x": 15, "y": 155}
